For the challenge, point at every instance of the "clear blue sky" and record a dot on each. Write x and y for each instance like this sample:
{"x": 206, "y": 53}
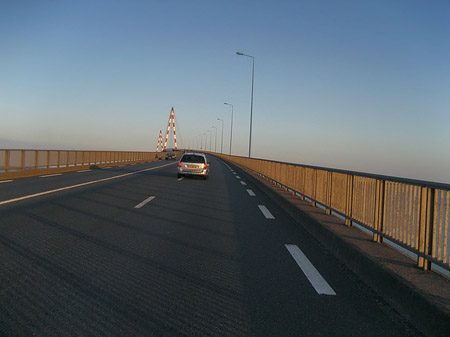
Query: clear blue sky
{"x": 359, "y": 85}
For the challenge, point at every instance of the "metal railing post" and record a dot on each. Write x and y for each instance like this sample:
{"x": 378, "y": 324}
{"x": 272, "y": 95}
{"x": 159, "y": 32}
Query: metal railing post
{"x": 302, "y": 183}
{"x": 314, "y": 203}
{"x": 7, "y": 155}
{"x": 426, "y": 228}
{"x": 329, "y": 191}
{"x": 349, "y": 201}
{"x": 22, "y": 160}
{"x": 379, "y": 211}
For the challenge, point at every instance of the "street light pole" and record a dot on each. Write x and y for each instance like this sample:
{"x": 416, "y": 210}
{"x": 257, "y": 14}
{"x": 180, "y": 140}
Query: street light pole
{"x": 231, "y": 135}
{"x": 206, "y": 139}
{"x": 251, "y": 104}
{"x": 215, "y": 142}
{"x": 221, "y": 143}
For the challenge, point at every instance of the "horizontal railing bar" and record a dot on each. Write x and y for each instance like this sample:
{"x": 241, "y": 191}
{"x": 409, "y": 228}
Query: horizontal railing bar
{"x": 417, "y": 182}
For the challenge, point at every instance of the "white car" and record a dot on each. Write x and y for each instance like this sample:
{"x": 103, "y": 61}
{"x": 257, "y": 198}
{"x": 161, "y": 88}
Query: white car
{"x": 193, "y": 164}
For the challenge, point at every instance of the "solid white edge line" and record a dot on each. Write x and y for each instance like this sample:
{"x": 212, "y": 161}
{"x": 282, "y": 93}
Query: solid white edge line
{"x": 6, "y": 181}
{"x": 312, "y": 274}
{"x": 251, "y": 193}
{"x": 146, "y": 201}
{"x": 266, "y": 212}
{"x": 243, "y": 183}
{"x": 51, "y": 175}
{"x": 78, "y": 185}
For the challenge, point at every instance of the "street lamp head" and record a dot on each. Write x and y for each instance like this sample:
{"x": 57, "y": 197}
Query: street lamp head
{"x": 242, "y": 54}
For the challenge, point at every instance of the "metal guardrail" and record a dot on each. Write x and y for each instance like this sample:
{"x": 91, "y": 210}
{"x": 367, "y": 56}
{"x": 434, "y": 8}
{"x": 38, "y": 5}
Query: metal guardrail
{"x": 413, "y": 214}
{"x": 25, "y": 163}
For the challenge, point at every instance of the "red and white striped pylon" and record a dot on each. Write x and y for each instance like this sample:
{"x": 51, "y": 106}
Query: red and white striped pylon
{"x": 171, "y": 122}
{"x": 159, "y": 141}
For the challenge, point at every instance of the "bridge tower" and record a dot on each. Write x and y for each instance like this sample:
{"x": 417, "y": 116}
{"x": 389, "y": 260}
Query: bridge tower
{"x": 160, "y": 142}
{"x": 171, "y": 123}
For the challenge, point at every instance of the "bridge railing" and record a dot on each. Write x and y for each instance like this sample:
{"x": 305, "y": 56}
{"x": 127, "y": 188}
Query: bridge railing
{"x": 413, "y": 214}
{"x": 23, "y": 163}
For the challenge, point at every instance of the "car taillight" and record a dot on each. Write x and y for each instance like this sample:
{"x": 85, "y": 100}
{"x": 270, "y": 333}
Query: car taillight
{"x": 205, "y": 166}
{"x": 179, "y": 164}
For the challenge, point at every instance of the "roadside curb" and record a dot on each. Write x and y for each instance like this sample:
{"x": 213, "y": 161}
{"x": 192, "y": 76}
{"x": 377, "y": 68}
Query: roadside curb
{"x": 423, "y": 297}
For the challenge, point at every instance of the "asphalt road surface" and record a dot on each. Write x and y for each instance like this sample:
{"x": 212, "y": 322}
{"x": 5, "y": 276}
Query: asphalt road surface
{"x": 135, "y": 251}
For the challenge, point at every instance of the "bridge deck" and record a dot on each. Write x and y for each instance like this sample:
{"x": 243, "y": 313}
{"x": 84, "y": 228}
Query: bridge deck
{"x": 200, "y": 258}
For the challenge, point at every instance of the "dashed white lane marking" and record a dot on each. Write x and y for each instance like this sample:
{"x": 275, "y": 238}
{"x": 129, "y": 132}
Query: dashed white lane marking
{"x": 79, "y": 185}
{"x": 266, "y": 212}
{"x": 6, "y": 181}
{"x": 181, "y": 178}
{"x": 233, "y": 172}
{"x": 51, "y": 175}
{"x": 251, "y": 193}
{"x": 243, "y": 183}
{"x": 238, "y": 177}
{"x": 83, "y": 171}
{"x": 317, "y": 281}
{"x": 146, "y": 201}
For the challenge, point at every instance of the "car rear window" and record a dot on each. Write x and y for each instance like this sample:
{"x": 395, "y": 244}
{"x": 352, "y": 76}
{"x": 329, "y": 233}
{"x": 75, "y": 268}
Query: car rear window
{"x": 193, "y": 159}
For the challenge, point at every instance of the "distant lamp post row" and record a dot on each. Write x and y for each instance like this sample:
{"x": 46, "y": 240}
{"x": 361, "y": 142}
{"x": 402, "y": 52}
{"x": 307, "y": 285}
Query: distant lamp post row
{"x": 232, "y": 113}
{"x": 251, "y": 104}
